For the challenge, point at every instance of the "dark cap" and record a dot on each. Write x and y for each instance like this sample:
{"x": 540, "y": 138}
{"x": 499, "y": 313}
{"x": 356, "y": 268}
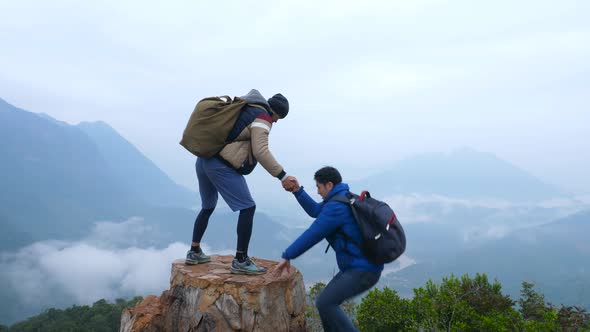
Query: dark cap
{"x": 279, "y": 104}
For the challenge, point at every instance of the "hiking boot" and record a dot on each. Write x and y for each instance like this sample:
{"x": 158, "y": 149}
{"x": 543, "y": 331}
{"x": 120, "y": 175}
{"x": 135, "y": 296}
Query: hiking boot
{"x": 246, "y": 267}
{"x": 193, "y": 258}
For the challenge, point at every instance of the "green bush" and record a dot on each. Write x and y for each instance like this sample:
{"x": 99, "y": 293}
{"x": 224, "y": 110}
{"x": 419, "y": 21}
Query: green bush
{"x": 100, "y": 317}
{"x": 384, "y": 310}
{"x": 466, "y": 304}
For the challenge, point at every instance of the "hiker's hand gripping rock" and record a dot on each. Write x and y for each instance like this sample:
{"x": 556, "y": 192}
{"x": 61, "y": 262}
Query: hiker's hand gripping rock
{"x": 283, "y": 269}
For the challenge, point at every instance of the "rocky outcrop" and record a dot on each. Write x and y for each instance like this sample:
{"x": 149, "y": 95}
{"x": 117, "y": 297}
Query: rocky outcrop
{"x": 207, "y": 297}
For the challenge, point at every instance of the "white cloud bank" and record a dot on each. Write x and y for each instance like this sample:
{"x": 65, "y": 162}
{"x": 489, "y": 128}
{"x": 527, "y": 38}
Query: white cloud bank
{"x": 87, "y": 273}
{"x": 412, "y": 208}
{"x": 47, "y": 273}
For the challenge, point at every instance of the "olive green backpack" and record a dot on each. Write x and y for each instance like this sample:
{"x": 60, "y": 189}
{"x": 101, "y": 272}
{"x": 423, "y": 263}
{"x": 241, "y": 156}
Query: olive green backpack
{"x": 209, "y": 125}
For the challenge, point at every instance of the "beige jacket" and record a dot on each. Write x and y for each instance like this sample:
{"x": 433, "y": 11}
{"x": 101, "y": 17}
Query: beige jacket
{"x": 253, "y": 142}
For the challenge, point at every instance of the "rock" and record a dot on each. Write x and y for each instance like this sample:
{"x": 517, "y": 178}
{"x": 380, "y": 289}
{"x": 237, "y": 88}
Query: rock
{"x": 207, "y": 297}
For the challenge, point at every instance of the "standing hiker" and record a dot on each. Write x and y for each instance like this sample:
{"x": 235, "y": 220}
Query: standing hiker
{"x": 334, "y": 222}
{"x": 224, "y": 174}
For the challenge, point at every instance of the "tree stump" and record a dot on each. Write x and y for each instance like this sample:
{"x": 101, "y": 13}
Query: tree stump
{"x": 207, "y": 297}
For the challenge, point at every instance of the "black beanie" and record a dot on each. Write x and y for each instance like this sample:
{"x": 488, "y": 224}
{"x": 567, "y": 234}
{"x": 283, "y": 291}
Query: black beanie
{"x": 279, "y": 104}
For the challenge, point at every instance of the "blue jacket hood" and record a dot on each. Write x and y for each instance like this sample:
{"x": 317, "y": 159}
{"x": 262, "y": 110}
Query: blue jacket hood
{"x": 341, "y": 189}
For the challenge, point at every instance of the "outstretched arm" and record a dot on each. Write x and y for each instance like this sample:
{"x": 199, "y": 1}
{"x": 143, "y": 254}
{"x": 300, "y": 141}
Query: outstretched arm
{"x": 327, "y": 223}
{"x": 311, "y": 207}
{"x": 259, "y": 130}
{"x": 307, "y": 203}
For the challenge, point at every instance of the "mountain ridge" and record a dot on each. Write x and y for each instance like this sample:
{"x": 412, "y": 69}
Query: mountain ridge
{"x": 58, "y": 180}
{"x": 462, "y": 173}
{"x": 134, "y": 169}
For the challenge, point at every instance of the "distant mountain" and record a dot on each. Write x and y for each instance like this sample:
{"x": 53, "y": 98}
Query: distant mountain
{"x": 132, "y": 169}
{"x": 57, "y": 179}
{"x": 464, "y": 173}
{"x": 554, "y": 256}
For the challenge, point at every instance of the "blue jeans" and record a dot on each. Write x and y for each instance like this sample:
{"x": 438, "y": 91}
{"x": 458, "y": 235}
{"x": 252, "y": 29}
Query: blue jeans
{"x": 342, "y": 287}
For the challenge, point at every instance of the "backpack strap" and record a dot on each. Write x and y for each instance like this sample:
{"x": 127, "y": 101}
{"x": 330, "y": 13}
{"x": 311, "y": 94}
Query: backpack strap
{"x": 349, "y": 202}
{"x": 346, "y": 237}
{"x": 341, "y": 199}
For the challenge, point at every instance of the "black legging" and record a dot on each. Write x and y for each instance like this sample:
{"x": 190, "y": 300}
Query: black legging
{"x": 245, "y": 221}
{"x": 244, "y": 230}
{"x": 201, "y": 224}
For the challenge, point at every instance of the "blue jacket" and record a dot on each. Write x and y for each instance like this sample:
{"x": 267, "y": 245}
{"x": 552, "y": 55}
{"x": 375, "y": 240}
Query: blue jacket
{"x": 332, "y": 217}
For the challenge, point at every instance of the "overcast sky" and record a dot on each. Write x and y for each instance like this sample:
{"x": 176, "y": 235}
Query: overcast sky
{"x": 369, "y": 82}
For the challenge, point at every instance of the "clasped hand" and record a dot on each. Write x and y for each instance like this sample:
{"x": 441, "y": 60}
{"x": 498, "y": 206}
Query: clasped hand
{"x": 291, "y": 184}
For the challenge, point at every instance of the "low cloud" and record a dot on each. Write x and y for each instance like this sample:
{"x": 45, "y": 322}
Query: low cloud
{"x": 108, "y": 264}
{"x": 477, "y": 220}
{"x": 429, "y": 208}
{"x": 578, "y": 201}
{"x": 86, "y": 273}
{"x": 491, "y": 232}
{"x": 409, "y": 203}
